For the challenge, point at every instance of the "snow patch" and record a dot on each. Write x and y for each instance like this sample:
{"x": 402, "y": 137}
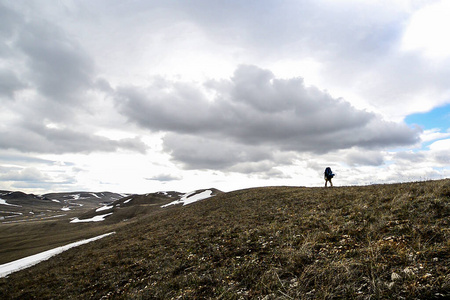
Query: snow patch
{"x": 164, "y": 193}
{"x": 191, "y": 198}
{"x": 57, "y": 201}
{"x": 65, "y": 208}
{"x": 126, "y": 201}
{"x": 104, "y": 208}
{"x": 32, "y": 260}
{"x": 3, "y": 201}
{"x": 93, "y": 219}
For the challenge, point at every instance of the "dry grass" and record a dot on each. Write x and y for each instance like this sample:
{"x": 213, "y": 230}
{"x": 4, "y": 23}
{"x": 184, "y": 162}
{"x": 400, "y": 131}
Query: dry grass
{"x": 373, "y": 242}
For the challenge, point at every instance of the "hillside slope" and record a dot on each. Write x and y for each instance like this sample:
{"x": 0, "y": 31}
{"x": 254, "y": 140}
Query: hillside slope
{"x": 23, "y": 234}
{"x": 372, "y": 242}
{"x": 19, "y": 207}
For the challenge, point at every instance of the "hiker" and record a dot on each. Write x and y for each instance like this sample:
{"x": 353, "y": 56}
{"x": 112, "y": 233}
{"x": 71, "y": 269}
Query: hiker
{"x": 328, "y": 175}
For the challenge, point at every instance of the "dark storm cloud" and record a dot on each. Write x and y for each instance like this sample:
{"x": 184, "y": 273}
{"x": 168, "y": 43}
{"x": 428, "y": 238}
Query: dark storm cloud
{"x": 254, "y": 110}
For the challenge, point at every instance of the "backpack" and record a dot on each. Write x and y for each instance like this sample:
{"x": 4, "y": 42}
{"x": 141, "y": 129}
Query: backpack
{"x": 328, "y": 173}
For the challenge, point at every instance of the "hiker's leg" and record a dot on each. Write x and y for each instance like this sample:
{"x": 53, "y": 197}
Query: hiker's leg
{"x": 331, "y": 183}
{"x": 326, "y": 182}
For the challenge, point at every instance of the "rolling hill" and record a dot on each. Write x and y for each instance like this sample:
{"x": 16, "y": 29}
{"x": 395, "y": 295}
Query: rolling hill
{"x": 21, "y": 207}
{"x": 34, "y": 223}
{"x": 370, "y": 242}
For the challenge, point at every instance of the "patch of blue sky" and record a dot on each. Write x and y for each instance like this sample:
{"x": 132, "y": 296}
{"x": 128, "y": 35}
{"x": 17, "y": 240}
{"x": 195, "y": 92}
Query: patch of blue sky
{"x": 438, "y": 118}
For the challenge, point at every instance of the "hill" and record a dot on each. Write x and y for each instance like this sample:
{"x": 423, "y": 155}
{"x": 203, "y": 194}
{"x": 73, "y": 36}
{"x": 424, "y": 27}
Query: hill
{"x": 21, "y": 207}
{"x": 371, "y": 242}
{"x": 40, "y": 223}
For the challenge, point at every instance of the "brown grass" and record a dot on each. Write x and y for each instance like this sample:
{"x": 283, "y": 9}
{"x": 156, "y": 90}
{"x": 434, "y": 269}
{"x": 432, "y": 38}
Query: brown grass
{"x": 372, "y": 242}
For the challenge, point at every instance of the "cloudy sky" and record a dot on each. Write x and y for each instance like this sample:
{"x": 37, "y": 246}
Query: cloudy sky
{"x": 142, "y": 96}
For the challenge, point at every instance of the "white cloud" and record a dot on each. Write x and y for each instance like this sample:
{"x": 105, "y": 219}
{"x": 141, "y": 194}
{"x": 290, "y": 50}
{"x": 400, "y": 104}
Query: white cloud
{"x": 427, "y": 31}
{"x": 441, "y": 145}
{"x": 433, "y": 135}
{"x": 164, "y": 177}
{"x": 253, "y": 115}
{"x": 28, "y": 174}
{"x": 440, "y": 151}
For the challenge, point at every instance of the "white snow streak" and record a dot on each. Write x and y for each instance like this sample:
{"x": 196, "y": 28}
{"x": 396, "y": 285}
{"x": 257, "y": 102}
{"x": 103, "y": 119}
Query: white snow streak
{"x": 191, "y": 198}
{"x": 32, "y": 260}
{"x": 3, "y": 201}
{"x": 94, "y": 219}
{"x": 104, "y": 208}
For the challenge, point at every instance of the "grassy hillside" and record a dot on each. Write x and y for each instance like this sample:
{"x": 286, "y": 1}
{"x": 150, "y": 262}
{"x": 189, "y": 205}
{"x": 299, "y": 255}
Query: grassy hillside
{"x": 30, "y": 235}
{"x": 372, "y": 242}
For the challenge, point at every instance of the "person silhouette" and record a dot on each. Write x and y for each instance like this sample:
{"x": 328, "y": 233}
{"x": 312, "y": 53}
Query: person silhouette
{"x": 328, "y": 175}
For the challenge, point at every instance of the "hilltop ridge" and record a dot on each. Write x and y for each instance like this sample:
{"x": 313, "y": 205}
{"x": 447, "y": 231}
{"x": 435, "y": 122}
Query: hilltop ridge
{"x": 379, "y": 241}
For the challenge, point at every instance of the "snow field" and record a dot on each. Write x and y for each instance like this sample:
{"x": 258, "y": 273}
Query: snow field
{"x": 191, "y": 198}
{"x": 32, "y": 260}
{"x": 93, "y": 219}
{"x": 104, "y": 208}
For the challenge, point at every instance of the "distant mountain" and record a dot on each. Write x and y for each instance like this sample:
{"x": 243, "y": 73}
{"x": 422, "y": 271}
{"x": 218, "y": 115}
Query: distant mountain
{"x": 129, "y": 207}
{"x": 16, "y": 206}
{"x": 89, "y": 199}
{"x": 20, "y": 198}
{"x": 90, "y": 206}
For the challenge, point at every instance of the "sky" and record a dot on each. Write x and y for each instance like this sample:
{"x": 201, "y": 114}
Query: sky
{"x": 145, "y": 96}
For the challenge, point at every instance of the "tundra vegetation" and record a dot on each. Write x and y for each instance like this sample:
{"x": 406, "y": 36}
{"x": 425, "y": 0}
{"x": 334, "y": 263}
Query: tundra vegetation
{"x": 360, "y": 242}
